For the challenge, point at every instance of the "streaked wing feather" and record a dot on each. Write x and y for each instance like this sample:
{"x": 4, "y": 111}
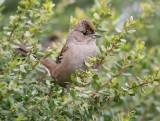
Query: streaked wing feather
{"x": 60, "y": 57}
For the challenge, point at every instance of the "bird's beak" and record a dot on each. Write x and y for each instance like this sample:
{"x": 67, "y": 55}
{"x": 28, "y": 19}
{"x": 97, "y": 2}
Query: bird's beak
{"x": 97, "y": 35}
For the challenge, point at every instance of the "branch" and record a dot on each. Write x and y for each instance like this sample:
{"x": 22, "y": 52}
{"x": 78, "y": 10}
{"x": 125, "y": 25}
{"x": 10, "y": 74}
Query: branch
{"x": 105, "y": 84}
{"x": 107, "y": 52}
{"x": 119, "y": 72}
{"x": 139, "y": 85}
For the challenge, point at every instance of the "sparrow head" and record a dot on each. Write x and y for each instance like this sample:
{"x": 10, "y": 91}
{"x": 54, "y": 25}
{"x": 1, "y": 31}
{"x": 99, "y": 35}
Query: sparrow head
{"x": 83, "y": 33}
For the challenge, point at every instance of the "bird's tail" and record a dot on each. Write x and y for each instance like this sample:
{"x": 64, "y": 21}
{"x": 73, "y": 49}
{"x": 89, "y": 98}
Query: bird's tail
{"x": 21, "y": 49}
{"x": 50, "y": 65}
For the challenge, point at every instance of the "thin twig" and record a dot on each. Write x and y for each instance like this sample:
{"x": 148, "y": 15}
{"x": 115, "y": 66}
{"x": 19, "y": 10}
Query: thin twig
{"x": 104, "y": 85}
{"x": 126, "y": 90}
{"x": 140, "y": 85}
{"x": 107, "y": 52}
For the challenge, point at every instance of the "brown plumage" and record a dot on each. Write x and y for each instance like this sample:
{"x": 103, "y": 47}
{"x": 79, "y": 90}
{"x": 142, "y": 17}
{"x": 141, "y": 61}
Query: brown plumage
{"x": 60, "y": 57}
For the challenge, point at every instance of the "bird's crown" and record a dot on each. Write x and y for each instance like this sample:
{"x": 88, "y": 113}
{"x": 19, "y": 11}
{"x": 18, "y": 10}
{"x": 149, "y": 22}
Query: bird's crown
{"x": 85, "y": 26}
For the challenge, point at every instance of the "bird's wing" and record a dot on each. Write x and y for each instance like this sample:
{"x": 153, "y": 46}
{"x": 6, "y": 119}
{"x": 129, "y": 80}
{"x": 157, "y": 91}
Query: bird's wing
{"x": 60, "y": 57}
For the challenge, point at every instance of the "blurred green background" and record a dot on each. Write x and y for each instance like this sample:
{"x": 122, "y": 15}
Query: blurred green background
{"x": 124, "y": 9}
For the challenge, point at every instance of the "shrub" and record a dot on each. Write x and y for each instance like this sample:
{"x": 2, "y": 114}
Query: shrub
{"x": 122, "y": 85}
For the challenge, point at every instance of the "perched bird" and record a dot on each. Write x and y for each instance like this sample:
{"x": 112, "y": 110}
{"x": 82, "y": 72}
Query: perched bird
{"x": 80, "y": 45}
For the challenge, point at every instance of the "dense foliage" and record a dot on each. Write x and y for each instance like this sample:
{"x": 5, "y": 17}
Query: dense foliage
{"x": 121, "y": 86}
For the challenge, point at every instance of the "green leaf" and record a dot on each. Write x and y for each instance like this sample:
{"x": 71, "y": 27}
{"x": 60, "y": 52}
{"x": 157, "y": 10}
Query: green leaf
{"x": 125, "y": 24}
{"x": 108, "y": 15}
{"x": 95, "y": 84}
{"x": 22, "y": 69}
{"x": 134, "y": 84}
{"x": 34, "y": 92}
{"x": 48, "y": 6}
{"x": 143, "y": 91}
{"x": 40, "y": 54}
{"x": 123, "y": 40}
{"x": 131, "y": 92}
{"x": 129, "y": 57}
{"x": 127, "y": 74}
{"x": 14, "y": 46}
{"x": 73, "y": 93}
{"x": 118, "y": 99}
{"x": 102, "y": 29}
{"x": 105, "y": 68}
{"x": 131, "y": 19}
{"x": 73, "y": 78}
{"x": 96, "y": 16}
{"x": 141, "y": 45}
{"x": 117, "y": 30}
{"x": 95, "y": 77}
{"x": 20, "y": 117}
{"x": 117, "y": 85}
{"x": 27, "y": 34}
{"x": 41, "y": 70}
{"x": 158, "y": 109}
{"x": 84, "y": 95}
{"x": 117, "y": 64}
{"x": 131, "y": 31}
{"x": 48, "y": 82}
{"x": 103, "y": 48}
{"x": 78, "y": 79}
{"x": 155, "y": 83}
{"x": 87, "y": 64}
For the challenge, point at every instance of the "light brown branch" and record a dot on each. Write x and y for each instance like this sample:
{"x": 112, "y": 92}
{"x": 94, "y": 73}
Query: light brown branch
{"x": 105, "y": 84}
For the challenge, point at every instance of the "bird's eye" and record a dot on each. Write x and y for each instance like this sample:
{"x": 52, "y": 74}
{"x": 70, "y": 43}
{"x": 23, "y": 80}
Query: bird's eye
{"x": 87, "y": 33}
{"x": 84, "y": 33}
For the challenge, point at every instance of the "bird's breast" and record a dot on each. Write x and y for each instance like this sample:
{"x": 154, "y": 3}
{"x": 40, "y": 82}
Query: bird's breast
{"x": 73, "y": 59}
{"x": 80, "y": 54}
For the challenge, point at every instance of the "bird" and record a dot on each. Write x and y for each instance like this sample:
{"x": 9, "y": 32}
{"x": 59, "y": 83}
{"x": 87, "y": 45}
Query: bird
{"x": 80, "y": 45}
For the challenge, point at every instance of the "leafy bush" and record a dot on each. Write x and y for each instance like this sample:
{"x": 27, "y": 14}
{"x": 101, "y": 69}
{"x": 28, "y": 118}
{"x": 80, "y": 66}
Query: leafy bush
{"x": 123, "y": 85}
